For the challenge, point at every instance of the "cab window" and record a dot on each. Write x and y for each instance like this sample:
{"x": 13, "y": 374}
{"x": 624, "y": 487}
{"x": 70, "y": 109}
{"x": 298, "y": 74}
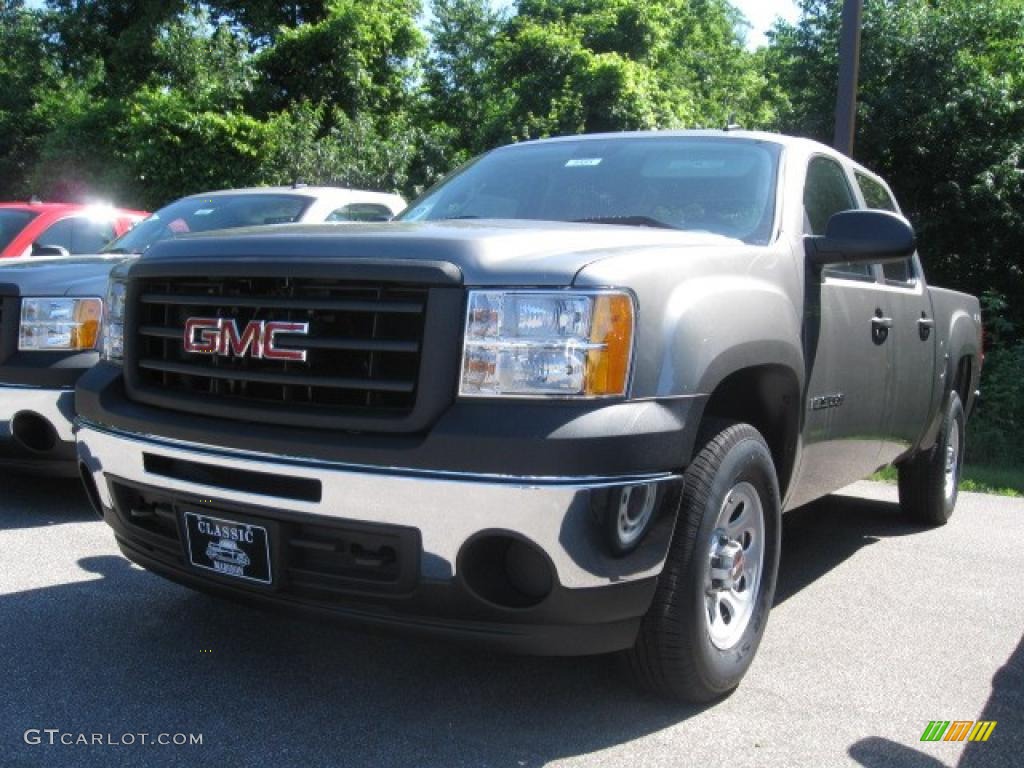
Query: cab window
{"x": 877, "y": 196}
{"x": 827, "y": 192}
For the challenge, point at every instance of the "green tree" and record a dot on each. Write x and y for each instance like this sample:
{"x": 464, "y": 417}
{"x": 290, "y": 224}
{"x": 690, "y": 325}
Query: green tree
{"x": 566, "y": 66}
{"x": 211, "y": 63}
{"x": 263, "y": 20}
{"x": 120, "y": 33}
{"x": 460, "y": 85}
{"x": 27, "y": 72}
{"x": 361, "y": 57}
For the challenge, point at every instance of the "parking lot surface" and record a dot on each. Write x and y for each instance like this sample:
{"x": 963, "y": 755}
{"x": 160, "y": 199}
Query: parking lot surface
{"x": 879, "y": 627}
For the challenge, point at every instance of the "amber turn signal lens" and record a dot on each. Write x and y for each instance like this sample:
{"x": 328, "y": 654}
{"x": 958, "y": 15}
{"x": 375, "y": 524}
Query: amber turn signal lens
{"x": 88, "y": 314}
{"x": 612, "y": 330}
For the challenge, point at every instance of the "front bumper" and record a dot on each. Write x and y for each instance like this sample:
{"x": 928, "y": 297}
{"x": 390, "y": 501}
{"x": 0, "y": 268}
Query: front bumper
{"x": 595, "y": 603}
{"x": 48, "y": 414}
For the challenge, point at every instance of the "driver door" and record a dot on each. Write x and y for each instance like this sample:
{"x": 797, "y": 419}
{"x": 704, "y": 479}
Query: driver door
{"x": 849, "y": 355}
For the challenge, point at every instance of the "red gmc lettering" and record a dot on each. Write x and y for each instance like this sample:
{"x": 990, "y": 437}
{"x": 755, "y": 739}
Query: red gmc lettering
{"x": 208, "y": 342}
{"x": 232, "y": 344}
{"x": 220, "y": 336}
{"x": 270, "y": 332}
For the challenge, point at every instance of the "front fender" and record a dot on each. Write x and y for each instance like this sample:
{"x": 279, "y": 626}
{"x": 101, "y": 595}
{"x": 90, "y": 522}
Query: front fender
{"x": 715, "y": 326}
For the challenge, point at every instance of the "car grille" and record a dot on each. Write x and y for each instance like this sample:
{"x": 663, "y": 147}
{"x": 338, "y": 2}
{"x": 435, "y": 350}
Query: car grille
{"x": 364, "y": 345}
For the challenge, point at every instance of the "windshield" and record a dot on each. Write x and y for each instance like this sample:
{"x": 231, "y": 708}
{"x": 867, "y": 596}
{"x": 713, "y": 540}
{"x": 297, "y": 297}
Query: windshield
{"x": 723, "y": 186}
{"x": 202, "y": 214}
{"x": 12, "y": 221}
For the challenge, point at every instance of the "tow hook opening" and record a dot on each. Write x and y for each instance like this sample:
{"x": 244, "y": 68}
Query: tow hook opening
{"x": 506, "y": 570}
{"x": 33, "y": 432}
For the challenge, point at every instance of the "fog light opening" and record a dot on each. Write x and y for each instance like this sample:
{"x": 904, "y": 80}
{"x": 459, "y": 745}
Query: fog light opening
{"x": 506, "y": 571}
{"x": 33, "y": 432}
{"x": 629, "y": 516}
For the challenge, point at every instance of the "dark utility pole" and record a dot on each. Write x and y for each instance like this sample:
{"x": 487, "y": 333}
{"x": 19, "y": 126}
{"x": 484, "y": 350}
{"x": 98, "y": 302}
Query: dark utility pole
{"x": 849, "y": 65}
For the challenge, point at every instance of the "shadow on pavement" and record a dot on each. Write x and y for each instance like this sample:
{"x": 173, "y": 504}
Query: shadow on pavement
{"x": 130, "y": 653}
{"x": 819, "y": 536}
{"x": 1005, "y": 746}
{"x": 31, "y": 501}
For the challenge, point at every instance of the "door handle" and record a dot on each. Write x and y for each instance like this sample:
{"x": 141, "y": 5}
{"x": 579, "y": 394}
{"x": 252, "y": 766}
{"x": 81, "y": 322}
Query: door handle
{"x": 880, "y": 325}
{"x": 924, "y": 327}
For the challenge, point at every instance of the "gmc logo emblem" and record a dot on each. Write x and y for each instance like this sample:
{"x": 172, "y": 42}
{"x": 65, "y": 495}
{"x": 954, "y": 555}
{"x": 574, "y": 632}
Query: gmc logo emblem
{"x": 220, "y": 336}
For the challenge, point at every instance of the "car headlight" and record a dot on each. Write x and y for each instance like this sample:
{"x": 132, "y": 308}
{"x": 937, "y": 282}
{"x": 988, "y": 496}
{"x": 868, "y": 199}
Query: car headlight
{"x": 59, "y": 324}
{"x": 547, "y": 343}
{"x": 113, "y": 323}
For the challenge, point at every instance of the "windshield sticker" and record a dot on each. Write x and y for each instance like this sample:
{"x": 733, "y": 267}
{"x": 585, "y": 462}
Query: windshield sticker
{"x": 203, "y": 212}
{"x": 584, "y": 162}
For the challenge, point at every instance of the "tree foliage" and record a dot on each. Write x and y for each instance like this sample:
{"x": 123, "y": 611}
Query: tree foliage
{"x": 27, "y": 75}
{"x": 565, "y": 66}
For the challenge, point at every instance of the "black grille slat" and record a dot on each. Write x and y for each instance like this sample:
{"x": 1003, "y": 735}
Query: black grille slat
{"x": 340, "y": 305}
{"x": 364, "y": 344}
{"x": 284, "y": 379}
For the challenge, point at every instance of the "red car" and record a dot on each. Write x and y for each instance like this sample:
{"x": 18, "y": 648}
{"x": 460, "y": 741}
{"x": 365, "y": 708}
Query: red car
{"x": 56, "y": 229}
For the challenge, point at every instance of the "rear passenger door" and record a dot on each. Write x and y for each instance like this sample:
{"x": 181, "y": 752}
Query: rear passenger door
{"x": 847, "y": 349}
{"x": 912, "y": 335}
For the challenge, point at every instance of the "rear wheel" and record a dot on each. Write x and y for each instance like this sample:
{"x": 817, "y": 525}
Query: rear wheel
{"x": 710, "y": 608}
{"x": 930, "y": 482}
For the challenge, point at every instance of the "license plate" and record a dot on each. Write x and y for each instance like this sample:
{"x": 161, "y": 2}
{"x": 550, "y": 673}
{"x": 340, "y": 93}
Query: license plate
{"x": 228, "y": 547}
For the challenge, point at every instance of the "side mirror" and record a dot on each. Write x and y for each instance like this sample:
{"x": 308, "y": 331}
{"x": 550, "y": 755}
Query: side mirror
{"x": 49, "y": 250}
{"x": 862, "y": 236}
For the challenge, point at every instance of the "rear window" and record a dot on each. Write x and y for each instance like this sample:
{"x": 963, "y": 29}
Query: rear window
{"x": 12, "y": 221}
{"x": 203, "y": 214}
{"x": 361, "y": 212}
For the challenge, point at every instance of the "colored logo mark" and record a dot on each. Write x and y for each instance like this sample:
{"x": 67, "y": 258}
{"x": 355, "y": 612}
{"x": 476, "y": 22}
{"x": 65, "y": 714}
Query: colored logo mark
{"x": 958, "y": 730}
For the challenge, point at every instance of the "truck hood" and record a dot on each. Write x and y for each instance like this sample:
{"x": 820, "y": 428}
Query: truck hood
{"x": 57, "y": 276}
{"x": 488, "y": 252}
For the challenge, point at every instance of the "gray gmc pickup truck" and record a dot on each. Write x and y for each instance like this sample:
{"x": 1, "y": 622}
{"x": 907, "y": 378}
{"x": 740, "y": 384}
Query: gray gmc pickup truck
{"x": 560, "y": 406}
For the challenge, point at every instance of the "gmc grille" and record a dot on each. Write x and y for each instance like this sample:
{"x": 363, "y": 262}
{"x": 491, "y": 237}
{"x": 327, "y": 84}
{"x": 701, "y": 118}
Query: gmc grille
{"x": 364, "y": 347}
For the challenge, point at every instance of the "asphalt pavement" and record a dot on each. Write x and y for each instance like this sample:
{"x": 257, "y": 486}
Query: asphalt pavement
{"x": 879, "y": 627}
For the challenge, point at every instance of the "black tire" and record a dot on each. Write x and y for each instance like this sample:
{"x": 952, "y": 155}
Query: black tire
{"x": 674, "y": 653}
{"x": 922, "y": 479}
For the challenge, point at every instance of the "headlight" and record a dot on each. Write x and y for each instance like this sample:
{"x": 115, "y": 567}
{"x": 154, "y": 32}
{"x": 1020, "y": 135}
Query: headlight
{"x": 558, "y": 343}
{"x": 59, "y": 324}
{"x": 113, "y": 323}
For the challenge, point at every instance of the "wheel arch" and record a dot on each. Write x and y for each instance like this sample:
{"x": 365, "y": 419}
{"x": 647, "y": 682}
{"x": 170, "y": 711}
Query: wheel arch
{"x": 766, "y": 396}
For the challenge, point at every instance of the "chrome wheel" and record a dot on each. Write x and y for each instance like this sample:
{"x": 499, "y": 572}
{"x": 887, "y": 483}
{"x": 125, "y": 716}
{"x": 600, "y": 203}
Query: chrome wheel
{"x": 952, "y": 460}
{"x": 735, "y": 560}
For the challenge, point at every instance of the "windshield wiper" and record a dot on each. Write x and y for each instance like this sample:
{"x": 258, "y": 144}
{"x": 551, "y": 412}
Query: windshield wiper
{"x": 626, "y": 221}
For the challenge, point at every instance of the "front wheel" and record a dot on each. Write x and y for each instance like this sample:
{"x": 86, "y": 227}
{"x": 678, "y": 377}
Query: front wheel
{"x": 711, "y": 605}
{"x": 930, "y": 482}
